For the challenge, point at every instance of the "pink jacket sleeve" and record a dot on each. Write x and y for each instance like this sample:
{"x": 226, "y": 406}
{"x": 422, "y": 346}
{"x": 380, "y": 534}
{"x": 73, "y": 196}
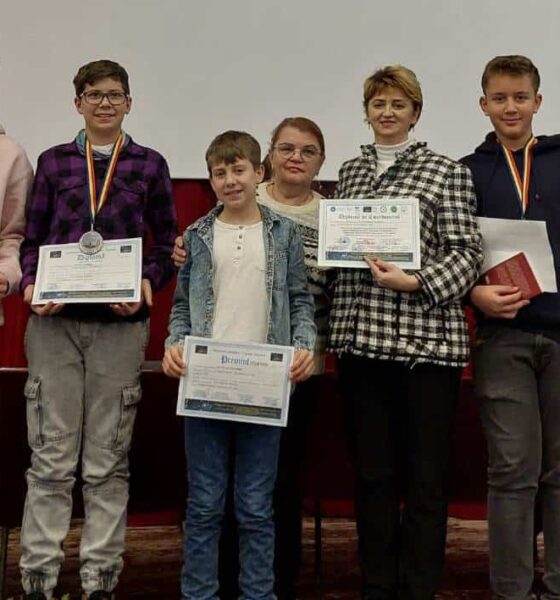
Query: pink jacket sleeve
{"x": 16, "y": 176}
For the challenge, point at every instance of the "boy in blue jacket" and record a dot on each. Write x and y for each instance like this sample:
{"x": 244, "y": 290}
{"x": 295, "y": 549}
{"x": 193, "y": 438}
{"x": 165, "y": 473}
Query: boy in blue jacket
{"x": 244, "y": 281}
{"x": 516, "y": 358}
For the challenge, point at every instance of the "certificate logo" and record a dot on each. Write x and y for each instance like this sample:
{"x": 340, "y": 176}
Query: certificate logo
{"x": 394, "y": 209}
{"x": 55, "y": 254}
{"x": 276, "y": 357}
{"x": 367, "y": 209}
{"x": 126, "y": 249}
{"x": 200, "y": 349}
{"x": 333, "y": 208}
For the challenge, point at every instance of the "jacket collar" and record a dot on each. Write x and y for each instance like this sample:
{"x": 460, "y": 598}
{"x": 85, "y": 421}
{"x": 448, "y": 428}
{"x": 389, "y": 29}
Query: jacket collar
{"x": 205, "y": 224}
{"x": 370, "y": 153}
{"x": 491, "y": 144}
{"x": 131, "y": 148}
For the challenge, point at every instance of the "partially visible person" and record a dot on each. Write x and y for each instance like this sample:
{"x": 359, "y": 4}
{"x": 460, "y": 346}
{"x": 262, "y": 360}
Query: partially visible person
{"x": 16, "y": 176}
{"x": 516, "y": 358}
{"x": 296, "y": 153}
{"x": 295, "y": 156}
{"x": 243, "y": 281}
{"x": 84, "y": 360}
{"x": 401, "y": 337}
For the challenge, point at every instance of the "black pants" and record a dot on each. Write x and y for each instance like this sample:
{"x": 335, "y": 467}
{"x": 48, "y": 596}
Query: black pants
{"x": 288, "y": 496}
{"x": 401, "y": 423}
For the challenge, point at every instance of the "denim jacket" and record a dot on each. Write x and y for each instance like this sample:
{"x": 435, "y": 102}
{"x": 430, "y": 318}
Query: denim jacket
{"x": 291, "y": 308}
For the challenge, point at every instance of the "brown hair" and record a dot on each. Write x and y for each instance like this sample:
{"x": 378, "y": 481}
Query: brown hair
{"x": 395, "y": 76}
{"x": 512, "y": 64}
{"x": 231, "y": 146}
{"x": 100, "y": 69}
{"x": 303, "y": 124}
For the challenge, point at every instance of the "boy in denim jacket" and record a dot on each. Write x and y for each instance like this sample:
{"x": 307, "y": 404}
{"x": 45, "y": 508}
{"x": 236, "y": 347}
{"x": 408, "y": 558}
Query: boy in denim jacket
{"x": 244, "y": 281}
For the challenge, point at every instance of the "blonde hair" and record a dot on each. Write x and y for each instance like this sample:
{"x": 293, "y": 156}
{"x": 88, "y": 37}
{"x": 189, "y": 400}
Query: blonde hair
{"x": 395, "y": 76}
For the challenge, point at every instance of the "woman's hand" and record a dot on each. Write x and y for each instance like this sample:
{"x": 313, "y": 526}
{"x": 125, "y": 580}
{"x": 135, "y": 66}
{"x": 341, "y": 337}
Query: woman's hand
{"x": 390, "y": 276}
{"x": 43, "y": 310}
{"x": 498, "y": 301}
{"x": 302, "y": 365}
{"x": 179, "y": 255}
{"x": 173, "y": 364}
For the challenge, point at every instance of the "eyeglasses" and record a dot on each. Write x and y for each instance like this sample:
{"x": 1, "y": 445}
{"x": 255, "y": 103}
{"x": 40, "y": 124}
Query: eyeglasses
{"x": 94, "y": 97}
{"x": 288, "y": 150}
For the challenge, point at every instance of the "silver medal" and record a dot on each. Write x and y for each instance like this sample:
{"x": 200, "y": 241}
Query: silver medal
{"x": 91, "y": 242}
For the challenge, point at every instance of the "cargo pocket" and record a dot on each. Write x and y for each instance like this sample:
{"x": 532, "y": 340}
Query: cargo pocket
{"x": 130, "y": 397}
{"x": 34, "y": 410}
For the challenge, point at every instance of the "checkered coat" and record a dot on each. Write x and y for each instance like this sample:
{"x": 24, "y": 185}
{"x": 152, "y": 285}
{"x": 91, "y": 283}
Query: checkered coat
{"x": 426, "y": 326}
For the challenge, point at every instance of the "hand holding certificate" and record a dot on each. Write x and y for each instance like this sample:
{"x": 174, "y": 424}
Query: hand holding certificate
{"x": 386, "y": 228}
{"x": 237, "y": 382}
{"x": 67, "y": 275}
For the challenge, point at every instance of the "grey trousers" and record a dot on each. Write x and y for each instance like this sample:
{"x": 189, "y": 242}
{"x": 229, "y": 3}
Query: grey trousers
{"x": 82, "y": 394}
{"x": 517, "y": 379}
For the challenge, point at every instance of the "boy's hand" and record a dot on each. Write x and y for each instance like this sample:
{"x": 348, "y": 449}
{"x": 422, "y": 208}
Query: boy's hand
{"x": 125, "y": 309}
{"x": 43, "y": 310}
{"x": 390, "y": 276}
{"x": 302, "y": 365}
{"x": 173, "y": 364}
{"x": 498, "y": 301}
{"x": 179, "y": 255}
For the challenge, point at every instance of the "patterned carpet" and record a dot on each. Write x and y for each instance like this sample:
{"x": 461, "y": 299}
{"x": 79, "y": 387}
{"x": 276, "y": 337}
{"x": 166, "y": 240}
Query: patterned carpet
{"x": 154, "y": 557}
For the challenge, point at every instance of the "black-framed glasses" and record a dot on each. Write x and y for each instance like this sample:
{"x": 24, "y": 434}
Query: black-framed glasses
{"x": 115, "y": 97}
{"x": 306, "y": 152}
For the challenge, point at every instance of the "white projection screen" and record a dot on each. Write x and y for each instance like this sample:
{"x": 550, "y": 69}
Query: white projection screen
{"x": 198, "y": 67}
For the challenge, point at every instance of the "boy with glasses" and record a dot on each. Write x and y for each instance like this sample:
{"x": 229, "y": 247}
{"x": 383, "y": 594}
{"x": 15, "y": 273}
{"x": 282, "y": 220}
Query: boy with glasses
{"x": 85, "y": 359}
{"x": 516, "y": 357}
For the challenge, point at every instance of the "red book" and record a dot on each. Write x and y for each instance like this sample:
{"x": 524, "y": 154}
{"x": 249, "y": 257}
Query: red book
{"x": 515, "y": 271}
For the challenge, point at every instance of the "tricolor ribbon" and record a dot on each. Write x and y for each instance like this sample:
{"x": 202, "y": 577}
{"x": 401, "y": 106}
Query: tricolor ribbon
{"x": 521, "y": 185}
{"x": 95, "y": 203}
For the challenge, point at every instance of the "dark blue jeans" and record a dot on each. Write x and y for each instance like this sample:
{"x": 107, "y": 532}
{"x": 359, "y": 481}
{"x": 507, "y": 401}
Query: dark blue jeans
{"x": 207, "y": 444}
{"x": 517, "y": 379}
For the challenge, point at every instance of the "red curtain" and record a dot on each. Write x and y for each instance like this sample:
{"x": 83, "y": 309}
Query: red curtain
{"x": 193, "y": 198}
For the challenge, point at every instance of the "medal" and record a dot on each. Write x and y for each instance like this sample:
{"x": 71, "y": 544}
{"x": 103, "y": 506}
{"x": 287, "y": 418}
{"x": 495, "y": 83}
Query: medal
{"x": 91, "y": 242}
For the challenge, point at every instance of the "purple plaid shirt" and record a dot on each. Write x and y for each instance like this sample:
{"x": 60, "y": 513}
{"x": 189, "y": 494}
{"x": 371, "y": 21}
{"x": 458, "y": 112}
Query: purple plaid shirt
{"x": 140, "y": 200}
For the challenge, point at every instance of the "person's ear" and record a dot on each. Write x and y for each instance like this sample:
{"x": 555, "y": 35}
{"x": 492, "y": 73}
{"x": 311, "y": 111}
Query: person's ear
{"x": 260, "y": 173}
{"x": 538, "y": 102}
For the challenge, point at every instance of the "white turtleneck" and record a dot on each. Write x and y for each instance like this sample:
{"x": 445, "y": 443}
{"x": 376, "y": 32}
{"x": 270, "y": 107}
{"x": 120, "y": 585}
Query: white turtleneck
{"x": 387, "y": 155}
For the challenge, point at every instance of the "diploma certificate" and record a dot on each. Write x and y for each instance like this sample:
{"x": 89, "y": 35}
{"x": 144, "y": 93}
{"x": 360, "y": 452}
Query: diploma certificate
{"x": 386, "y": 228}
{"x": 235, "y": 382}
{"x": 66, "y": 274}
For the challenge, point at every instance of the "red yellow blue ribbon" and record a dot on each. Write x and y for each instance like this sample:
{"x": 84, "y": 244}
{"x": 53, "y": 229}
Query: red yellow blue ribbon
{"x": 521, "y": 185}
{"x": 95, "y": 203}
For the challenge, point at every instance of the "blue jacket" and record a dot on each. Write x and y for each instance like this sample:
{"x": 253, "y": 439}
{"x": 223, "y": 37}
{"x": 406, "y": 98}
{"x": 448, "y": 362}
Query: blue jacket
{"x": 291, "y": 308}
{"x": 497, "y": 198}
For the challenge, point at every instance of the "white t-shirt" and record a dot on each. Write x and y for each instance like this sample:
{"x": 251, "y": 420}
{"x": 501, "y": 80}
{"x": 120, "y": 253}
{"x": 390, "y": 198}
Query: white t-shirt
{"x": 241, "y": 309}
